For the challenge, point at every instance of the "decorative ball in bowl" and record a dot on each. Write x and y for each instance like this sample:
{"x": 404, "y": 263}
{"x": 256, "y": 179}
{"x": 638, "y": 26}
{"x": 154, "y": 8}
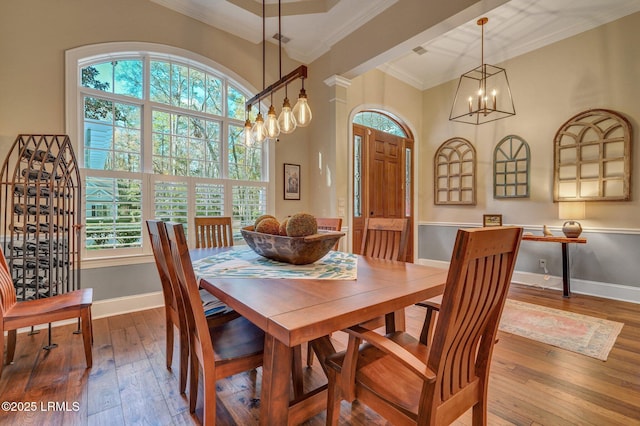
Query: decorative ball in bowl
{"x": 294, "y": 250}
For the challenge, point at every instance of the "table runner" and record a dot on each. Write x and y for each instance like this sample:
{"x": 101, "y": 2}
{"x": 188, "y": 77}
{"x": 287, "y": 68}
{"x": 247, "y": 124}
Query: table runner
{"x": 243, "y": 262}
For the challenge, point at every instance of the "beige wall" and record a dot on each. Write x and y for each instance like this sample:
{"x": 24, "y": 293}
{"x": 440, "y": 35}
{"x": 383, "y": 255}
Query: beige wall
{"x": 34, "y": 35}
{"x": 596, "y": 69}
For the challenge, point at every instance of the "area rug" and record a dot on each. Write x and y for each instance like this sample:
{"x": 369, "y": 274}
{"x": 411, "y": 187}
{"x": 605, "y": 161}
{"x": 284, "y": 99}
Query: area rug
{"x": 583, "y": 334}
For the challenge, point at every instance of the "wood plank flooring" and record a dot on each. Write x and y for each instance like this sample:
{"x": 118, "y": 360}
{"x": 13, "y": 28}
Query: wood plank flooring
{"x": 531, "y": 383}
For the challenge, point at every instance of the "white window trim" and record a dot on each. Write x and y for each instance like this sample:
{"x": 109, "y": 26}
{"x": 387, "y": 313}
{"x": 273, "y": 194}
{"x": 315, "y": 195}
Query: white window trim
{"x": 75, "y": 58}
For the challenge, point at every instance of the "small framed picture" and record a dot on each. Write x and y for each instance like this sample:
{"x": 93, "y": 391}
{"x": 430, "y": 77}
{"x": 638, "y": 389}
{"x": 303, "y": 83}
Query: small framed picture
{"x": 291, "y": 181}
{"x": 491, "y": 220}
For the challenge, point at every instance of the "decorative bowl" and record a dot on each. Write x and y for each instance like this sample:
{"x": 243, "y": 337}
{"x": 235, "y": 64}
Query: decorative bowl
{"x": 294, "y": 250}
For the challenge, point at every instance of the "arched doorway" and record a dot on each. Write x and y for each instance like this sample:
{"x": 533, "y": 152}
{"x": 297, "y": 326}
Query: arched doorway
{"x": 382, "y": 178}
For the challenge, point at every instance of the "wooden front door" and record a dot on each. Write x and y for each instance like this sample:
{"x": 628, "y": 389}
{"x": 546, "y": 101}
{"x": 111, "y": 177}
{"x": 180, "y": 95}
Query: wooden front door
{"x": 382, "y": 181}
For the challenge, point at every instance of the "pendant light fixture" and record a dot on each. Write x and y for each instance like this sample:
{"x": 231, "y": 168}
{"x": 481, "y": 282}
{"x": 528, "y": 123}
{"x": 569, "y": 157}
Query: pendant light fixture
{"x": 272, "y": 126}
{"x": 483, "y": 94}
{"x": 246, "y": 135}
{"x": 286, "y": 119}
{"x": 289, "y": 118}
{"x": 301, "y": 110}
{"x": 259, "y": 131}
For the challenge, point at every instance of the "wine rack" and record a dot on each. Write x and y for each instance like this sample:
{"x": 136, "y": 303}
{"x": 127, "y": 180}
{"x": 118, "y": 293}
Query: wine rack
{"x": 40, "y": 199}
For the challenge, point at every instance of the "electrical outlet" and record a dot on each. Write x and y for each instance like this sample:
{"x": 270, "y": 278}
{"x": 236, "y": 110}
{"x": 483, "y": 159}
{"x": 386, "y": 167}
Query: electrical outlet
{"x": 542, "y": 263}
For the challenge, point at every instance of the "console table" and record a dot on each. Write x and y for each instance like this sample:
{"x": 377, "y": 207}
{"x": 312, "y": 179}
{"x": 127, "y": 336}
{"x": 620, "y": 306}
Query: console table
{"x": 566, "y": 273}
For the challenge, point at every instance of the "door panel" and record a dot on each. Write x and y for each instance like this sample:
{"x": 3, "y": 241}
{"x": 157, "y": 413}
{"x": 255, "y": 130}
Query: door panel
{"x": 383, "y": 168}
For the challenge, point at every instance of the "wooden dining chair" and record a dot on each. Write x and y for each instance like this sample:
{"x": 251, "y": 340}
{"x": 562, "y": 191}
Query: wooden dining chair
{"x": 330, "y": 224}
{"x": 15, "y": 315}
{"x": 230, "y": 348}
{"x": 409, "y": 382}
{"x": 385, "y": 238}
{"x": 213, "y": 232}
{"x": 173, "y": 300}
{"x": 325, "y": 224}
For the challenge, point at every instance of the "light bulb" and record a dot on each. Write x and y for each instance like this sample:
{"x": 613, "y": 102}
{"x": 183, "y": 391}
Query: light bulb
{"x": 286, "y": 119}
{"x": 272, "y": 126}
{"x": 258, "y": 131}
{"x": 246, "y": 136}
{"x": 301, "y": 110}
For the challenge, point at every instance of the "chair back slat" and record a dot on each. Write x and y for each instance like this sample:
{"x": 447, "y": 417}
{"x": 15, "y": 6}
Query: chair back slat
{"x": 7, "y": 290}
{"x": 475, "y": 292}
{"x": 162, "y": 256}
{"x": 385, "y": 238}
{"x": 213, "y": 232}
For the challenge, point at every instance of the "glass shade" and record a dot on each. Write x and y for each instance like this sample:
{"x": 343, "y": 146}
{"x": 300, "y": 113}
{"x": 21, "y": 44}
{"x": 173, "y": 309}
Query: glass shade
{"x": 259, "y": 131}
{"x": 246, "y": 135}
{"x": 272, "y": 126}
{"x": 286, "y": 119}
{"x": 301, "y": 110}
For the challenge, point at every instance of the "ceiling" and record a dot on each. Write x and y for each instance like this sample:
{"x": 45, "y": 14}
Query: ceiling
{"x": 314, "y": 26}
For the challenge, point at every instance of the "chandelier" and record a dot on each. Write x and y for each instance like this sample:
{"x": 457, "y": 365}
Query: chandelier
{"x": 483, "y": 94}
{"x": 289, "y": 118}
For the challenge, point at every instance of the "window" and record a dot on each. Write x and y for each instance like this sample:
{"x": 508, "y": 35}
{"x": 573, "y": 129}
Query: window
{"x": 379, "y": 121}
{"x": 158, "y": 136}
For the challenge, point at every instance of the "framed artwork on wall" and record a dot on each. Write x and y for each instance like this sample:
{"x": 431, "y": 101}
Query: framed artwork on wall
{"x": 455, "y": 173}
{"x": 491, "y": 220}
{"x": 291, "y": 181}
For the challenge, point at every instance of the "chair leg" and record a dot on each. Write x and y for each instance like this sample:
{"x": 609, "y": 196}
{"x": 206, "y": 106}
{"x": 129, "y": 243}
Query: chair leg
{"x": 479, "y": 414}
{"x": 428, "y": 326}
{"x": 193, "y": 382}
{"x": 296, "y": 371}
{"x": 184, "y": 360}
{"x": 87, "y": 334}
{"x": 168, "y": 325}
{"x": 11, "y": 345}
{"x": 209, "y": 410}
{"x": 309, "y": 355}
{"x": 91, "y": 326}
{"x": 333, "y": 398}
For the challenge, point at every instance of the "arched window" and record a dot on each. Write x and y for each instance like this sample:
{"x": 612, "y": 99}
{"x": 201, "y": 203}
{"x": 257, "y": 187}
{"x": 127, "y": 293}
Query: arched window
{"x": 158, "y": 138}
{"x": 511, "y": 168}
{"x": 380, "y": 122}
{"x": 592, "y": 154}
{"x": 455, "y": 173}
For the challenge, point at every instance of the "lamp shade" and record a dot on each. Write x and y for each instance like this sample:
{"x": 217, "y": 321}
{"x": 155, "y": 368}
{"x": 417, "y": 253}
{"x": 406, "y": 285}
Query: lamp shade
{"x": 571, "y": 210}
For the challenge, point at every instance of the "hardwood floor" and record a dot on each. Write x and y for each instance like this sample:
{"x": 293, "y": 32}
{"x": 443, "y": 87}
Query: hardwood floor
{"x": 531, "y": 383}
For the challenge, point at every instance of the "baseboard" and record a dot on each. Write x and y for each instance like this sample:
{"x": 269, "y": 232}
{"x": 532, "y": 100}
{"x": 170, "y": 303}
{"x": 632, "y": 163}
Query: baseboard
{"x": 578, "y": 286}
{"x": 124, "y": 305}
{"x": 115, "y": 306}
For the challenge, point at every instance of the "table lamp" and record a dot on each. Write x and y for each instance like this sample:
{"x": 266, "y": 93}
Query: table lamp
{"x": 571, "y": 212}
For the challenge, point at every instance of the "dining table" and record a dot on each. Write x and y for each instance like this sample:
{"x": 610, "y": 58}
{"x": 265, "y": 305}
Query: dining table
{"x": 293, "y": 311}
